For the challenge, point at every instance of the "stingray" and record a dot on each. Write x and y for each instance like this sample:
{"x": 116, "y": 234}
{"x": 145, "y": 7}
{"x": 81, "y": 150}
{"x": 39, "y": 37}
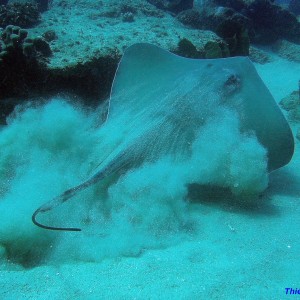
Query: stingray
{"x": 159, "y": 101}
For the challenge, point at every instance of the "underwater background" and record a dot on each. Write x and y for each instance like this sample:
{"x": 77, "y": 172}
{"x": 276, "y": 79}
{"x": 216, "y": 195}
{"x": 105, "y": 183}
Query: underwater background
{"x": 150, "y": 233}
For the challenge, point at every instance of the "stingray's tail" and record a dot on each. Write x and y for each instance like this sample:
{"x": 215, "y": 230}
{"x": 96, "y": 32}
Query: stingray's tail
{"x": 59, "y": 200}
{"x": 115, "y": 166}
{"x": 51, "y": 227}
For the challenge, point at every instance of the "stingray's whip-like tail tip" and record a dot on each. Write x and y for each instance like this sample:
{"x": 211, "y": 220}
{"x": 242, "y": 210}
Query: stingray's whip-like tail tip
{"x": 35, "y": 222}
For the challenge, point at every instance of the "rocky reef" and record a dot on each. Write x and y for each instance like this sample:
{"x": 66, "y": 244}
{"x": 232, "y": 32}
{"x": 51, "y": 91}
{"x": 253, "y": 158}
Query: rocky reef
{"x": 174, "y": 6}
{"x": 22, "y": 59}
{"x": 261, "y": 20}
{"x": 87, "y": 41}
{"x": 75, "y": 46}
{"x": 291, "y": 104}
{"x": 294, "y": 7}
{"x": 24, "y": 15}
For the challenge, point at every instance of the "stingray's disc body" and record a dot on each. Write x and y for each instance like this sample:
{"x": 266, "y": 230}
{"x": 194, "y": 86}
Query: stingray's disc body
{"x": 150, "y": 72}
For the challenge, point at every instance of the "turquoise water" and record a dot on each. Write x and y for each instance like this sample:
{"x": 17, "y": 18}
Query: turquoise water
{"x": 151, "y": 233}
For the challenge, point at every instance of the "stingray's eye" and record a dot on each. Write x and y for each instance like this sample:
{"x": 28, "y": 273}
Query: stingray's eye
{"x": 232, "y": 84}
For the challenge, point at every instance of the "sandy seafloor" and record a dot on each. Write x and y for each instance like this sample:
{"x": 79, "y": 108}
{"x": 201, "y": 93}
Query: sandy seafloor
{"x": 236, "y": 253}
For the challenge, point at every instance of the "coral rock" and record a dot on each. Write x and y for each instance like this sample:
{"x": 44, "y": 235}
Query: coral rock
{"x": 19, "y": 14}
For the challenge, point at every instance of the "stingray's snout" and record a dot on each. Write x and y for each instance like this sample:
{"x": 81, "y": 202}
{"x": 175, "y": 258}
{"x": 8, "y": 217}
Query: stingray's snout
{"x": 41, "y": 210}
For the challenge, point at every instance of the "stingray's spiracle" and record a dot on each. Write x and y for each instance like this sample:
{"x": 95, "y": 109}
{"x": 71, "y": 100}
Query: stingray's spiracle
{"x": 35, "y": 222}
